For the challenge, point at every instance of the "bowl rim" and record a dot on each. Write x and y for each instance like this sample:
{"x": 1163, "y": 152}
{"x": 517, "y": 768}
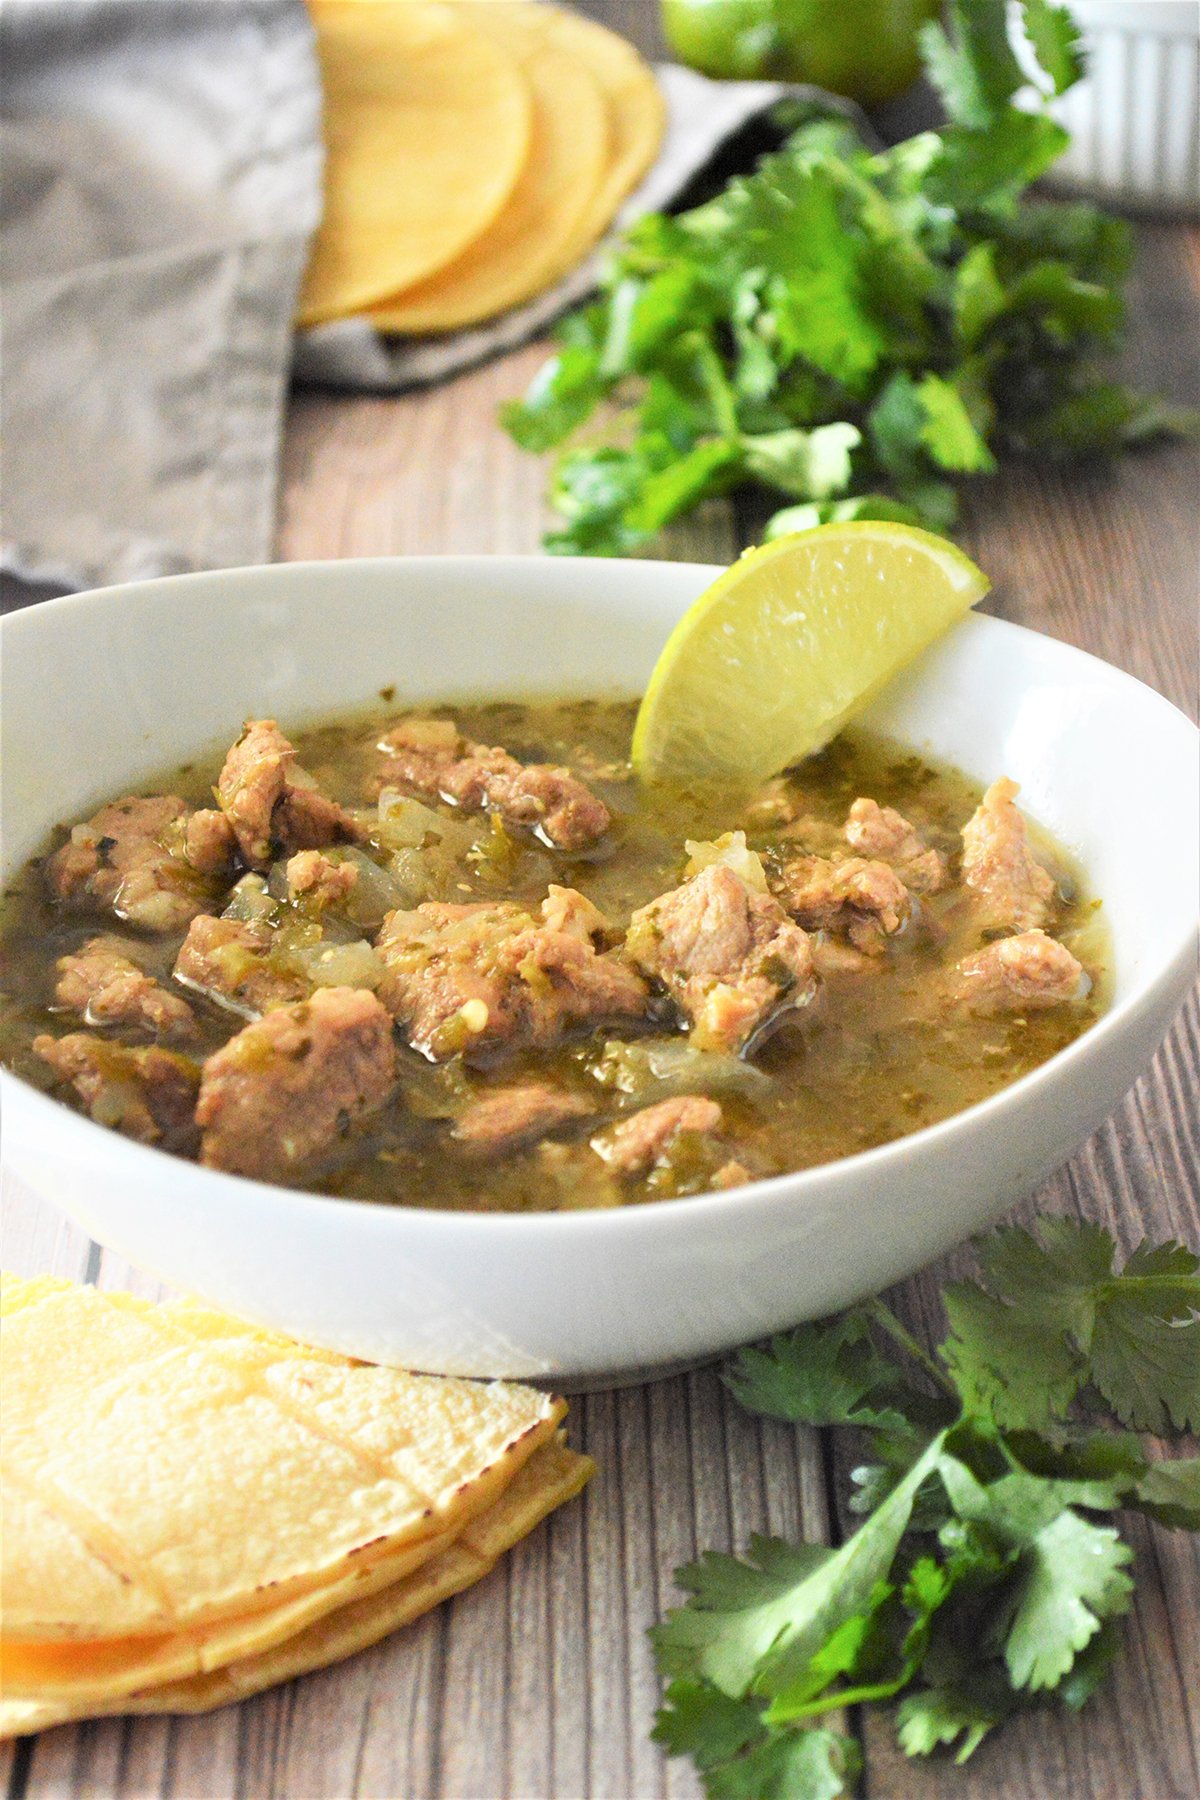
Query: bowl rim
{"x": 789, "y": 1187}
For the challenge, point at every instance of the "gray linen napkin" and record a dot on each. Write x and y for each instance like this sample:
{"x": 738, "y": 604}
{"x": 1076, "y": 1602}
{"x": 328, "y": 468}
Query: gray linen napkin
{"x": 163, "y": 164}
{"x": 162, "y": 180}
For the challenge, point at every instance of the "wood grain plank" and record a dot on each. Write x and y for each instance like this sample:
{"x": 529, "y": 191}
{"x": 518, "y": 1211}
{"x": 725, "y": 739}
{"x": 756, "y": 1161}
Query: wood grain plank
{"x": 425, "y": 474}
{"x": 36, "y": 1239}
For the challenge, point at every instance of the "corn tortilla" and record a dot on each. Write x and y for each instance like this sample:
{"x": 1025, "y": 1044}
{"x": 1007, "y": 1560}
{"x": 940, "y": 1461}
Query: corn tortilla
{"x": 637, "y": 121}
{"x": 568, "y": 160}
{"x": 427, "y": 130}
{"x": 110, "y": 1668}
{"x": 213, "y": 1475}
{"x": 552, "y": 1475}
{"x": 17, "y": 1291}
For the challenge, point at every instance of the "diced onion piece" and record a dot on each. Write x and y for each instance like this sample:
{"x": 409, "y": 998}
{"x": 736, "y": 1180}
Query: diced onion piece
{"x": 651, "y": 1068}
{"x": 415, "y": 877}
{"x": 730, "y": 849}
{"x": 338, "y": 965}
{"x": 250, "y": 900}
{"x": 376, "y": 892}
{"x": 407, "y": 824}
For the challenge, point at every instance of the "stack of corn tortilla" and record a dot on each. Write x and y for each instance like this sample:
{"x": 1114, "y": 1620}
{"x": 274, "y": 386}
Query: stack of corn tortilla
{"x": 194, "y": 1510}
{"x": 475, "y": 151}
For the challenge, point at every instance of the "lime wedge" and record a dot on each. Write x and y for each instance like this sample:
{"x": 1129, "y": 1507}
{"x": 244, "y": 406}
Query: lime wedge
{"x": 788, "y": 644}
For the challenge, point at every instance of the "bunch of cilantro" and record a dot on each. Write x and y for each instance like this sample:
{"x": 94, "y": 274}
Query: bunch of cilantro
{"x": 852, "y": 330}
{"x": 987, "y": 1574}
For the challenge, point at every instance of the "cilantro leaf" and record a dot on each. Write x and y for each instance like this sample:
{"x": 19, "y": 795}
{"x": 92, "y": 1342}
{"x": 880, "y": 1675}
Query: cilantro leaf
{"x": 1004, "y": 1366}
{"x": 562, "y": 394}
{"x": 895, "y": 423}
{"x": 973, "y": 67}
{"x": 672, "y": 489}
{"x": 838, "y": 512}
{"x": 761, "y": 1622}
{"x": 1053, "y": 1276}
{"x": 1074, "y": 232}
{"x": 1099, "y": 420}
{"x": 933, "y": 1717}
{"x": 786, "y": 221}
{"x": 737, "y": 1611}
{"x": 1073, "y": 1455}
{"x": 948, "y": 432}
{"x": 1071, "y": 1573}
{"x": 1170, "y": 1493}
{"x": 1173, "y": 1268}
{"x": 850, "y": 1649}
{"x": 988, "y": 1575}
{"x": 1059, "y": 1315}
{"x": 1147, "y": 1363}
{"x": 1076, "y": 1577}
{"x": 740, "y": 1758}
{"x": 698, "y": 1720}
{"x": 1090, "y": 1668}
{"x": 978, "y": 296}
{"x": 816, "y": 463}
{"x": 816, "y": 1764}
{"x": 1056, "y": 41}
{"x": 865, "y": 1648}
{"x": 984, "y": 171}
{"x": 1065, "y": 305}
{"x": 828, "y": 1373}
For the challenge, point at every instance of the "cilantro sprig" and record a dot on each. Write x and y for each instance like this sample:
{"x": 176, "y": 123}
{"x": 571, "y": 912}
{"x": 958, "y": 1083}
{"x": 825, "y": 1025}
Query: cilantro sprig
{"x": 988, "y": 1574}
{"x": 853, "y": 331}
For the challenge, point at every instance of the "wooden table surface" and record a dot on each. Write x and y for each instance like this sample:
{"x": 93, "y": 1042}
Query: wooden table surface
{"x": 539, "y": 1683}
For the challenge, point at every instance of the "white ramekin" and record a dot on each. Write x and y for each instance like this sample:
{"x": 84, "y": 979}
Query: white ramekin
{"x": 1135, "y": 118}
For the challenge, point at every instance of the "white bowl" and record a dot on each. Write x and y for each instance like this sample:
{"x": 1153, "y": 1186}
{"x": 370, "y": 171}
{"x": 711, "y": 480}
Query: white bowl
{"x": 105, "y": 690}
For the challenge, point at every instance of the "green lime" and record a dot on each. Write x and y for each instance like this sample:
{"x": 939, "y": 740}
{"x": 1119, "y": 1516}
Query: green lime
{"x": 788, "y": 644}
{"x": 865, "y": 49}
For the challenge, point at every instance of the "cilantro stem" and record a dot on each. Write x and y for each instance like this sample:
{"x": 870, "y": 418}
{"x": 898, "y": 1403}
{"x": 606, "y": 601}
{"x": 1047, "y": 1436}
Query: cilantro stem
{"x": 885, "y": 1318}
{"x": 837, "y": 1698}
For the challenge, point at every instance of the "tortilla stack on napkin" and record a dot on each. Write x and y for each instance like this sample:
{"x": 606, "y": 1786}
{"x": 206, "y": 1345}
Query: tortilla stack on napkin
{"x": 194, "y": 1509}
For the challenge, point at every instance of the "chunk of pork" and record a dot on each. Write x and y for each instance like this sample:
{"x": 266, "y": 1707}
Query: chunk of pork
{"x": 228, "y": 960}
{"x": 866, "y": 901}
{"x": 885, "y": 835}
{"x": 481, "y": 975}
{"x": 833, "y": 958}
{"x": 208, "y": 843}
{"x": 318, "y": 880}
{"x": 272, "y": 805}
{"x": 1012, "y": 887}
{"x": 129, "y": 859}
{"x": 636, "y": 1144}
{"x": 430, "y": 757}
{"x": 1027, "y": 973}
{"x": 288, "y": 1086}
{"x": 147, "y": 1093}
{"x": 103, "y": 984}
{"x": 728, "y": 956}
{"x": 509, "y": 1118}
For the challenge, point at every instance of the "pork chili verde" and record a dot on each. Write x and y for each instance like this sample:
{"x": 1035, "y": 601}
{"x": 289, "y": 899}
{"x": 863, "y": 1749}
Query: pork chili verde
{"x": 470, "y": 962}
